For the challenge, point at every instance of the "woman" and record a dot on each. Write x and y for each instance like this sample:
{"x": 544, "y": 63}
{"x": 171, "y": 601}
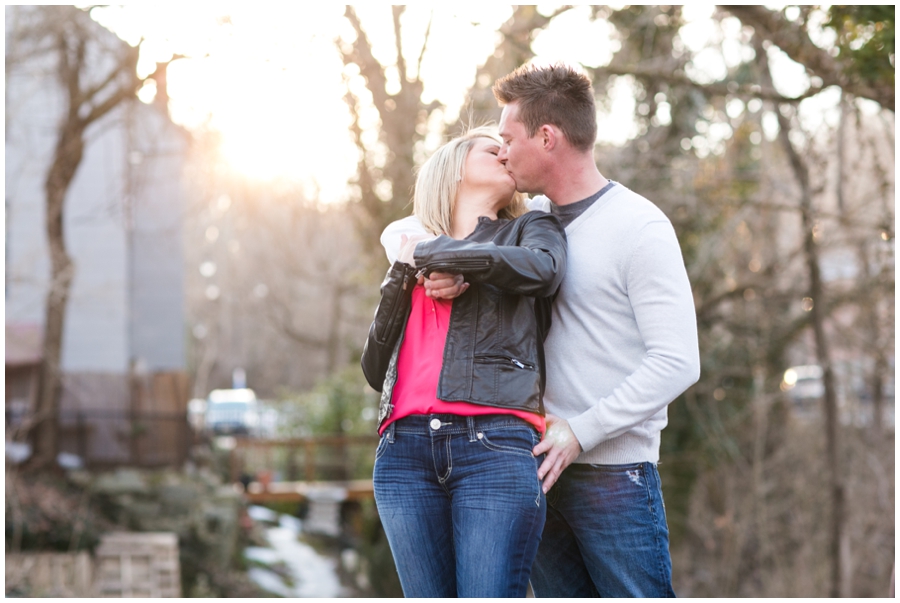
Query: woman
{"x": 455, "y": 479}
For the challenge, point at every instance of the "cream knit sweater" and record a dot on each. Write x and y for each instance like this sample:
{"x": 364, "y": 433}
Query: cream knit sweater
{"x": 623, "y": 342}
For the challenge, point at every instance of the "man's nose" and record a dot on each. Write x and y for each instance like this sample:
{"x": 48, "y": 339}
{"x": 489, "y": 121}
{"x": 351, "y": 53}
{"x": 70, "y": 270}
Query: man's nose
{"x": 501, "y": 156}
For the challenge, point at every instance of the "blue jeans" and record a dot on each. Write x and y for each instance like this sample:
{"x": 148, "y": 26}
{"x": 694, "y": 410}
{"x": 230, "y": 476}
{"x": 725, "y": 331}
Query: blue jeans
{"x": 461, "y": 504}
{"x": 606, "y": 535}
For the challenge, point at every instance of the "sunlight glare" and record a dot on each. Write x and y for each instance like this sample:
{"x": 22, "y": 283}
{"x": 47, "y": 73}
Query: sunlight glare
{"x": 266, "y": 77}
{"x": 448, "y": 67}
{"x": 617, "y": 125}
{"x": 788, "y": 76}
{"x": 269, "y": 81}
{"x": 564, "y": 40}
{"x": 697, "y": 11}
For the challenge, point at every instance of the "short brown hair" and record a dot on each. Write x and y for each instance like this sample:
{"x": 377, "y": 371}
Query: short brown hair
{"x": 438, "y": 180}
{"x": 556, "y": 94}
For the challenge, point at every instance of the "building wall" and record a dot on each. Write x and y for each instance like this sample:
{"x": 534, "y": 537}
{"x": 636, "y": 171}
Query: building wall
{"x": 157, "y": 264}
{"x": 31, "y": 110}
{"x": 95, "y": 337}
{"x": 123, "y": 220}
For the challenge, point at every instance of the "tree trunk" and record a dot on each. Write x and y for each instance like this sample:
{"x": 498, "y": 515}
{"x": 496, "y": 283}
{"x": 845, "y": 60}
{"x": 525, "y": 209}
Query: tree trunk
{"x": 837, "y": 528}
{"x": 333, "y": 342}
{"x": 839, "y": 543}
{"x": 870, "y": 301}
{"x": 65, "y": 32}
{"x": 66, "y": 158}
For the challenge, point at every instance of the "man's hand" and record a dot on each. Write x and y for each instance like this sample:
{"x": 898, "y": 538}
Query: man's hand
{"x": 438, "y": 285}
{"x": 561, "y": 447}
{"x": 408, "y": 248}
{"x": 441, "y": 285}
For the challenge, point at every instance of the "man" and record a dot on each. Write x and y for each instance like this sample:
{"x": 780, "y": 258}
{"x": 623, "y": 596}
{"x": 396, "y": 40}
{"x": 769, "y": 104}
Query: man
{"x": 622, "y": 346}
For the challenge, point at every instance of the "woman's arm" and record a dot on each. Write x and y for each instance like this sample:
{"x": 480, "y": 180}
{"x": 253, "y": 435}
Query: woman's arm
{"x": 390, "y": 316}
{"x": 412, "y": 226}
{"x": 534, "y": 267}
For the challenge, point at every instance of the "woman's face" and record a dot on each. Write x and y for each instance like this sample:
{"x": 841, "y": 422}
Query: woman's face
{"x": 485, "y": 173}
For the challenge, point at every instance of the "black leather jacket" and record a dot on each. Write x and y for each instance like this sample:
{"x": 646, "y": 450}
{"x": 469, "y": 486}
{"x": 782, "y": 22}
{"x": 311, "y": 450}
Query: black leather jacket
{"x": 494, "y": 353}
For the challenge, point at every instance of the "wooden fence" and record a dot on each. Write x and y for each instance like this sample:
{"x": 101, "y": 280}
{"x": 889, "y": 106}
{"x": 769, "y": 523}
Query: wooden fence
{"x": 313, "y": 459}
{"x": 106, "y": 438}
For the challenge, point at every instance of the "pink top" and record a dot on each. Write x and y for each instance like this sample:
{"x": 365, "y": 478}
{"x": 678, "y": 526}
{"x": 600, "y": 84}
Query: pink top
{"x": 419, "y": 367}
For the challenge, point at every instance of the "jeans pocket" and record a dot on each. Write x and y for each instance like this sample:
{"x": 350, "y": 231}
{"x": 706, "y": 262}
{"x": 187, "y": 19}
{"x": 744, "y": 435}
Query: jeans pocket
{"x": 628, "y": 467}
{"x": 625, "y": 487}
{"x": 382, "y": 446}
{"x": 516, "y": 440}
{"x": 511, "y": 447}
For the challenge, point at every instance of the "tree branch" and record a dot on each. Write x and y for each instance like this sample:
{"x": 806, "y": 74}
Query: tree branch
{"x": 127, "y": 65}
{"x": 396, "y": 11}
{"x": 424, "y": 46}
{"x": 794, "y": 41}
{"x": 362, "y": 56}
{"x": 731, "y": 88}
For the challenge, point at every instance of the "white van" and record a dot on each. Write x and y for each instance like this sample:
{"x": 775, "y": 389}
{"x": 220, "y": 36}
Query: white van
{"x": 232, "y": 412}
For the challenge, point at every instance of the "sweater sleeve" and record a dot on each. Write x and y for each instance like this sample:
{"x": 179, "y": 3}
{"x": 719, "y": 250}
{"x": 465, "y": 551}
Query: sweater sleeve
{"x": 391, "y": 236}
{"x": 660, "y": 296}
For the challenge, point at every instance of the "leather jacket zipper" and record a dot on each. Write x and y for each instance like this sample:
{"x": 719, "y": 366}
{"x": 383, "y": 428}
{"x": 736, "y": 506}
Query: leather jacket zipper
{"x": 395, "y": 305}
{"x": 459, "y": 265}
{"x": 504, "y": 360}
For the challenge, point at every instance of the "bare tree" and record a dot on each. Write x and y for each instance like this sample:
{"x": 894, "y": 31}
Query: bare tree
{"x": 385, "y": 179}
{"x": 275, "y": 282}
{"x": 96, "y": 73}
{"x": 771, "y": 27}
{"x": 792, "y": 36}
{"x": 822, "y": 347}
{"x": 512, "y": 50}
{"x": 757, "y": 224}
{"x": 386, "y": 172}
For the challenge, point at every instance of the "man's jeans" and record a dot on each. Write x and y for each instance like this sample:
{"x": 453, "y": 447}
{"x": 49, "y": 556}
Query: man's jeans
{"x": 605, "y": 536}
{"x": 461, "y": 504}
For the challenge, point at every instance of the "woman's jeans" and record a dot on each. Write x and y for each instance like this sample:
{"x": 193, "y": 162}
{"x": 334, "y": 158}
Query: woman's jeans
{"x": 461, "y": 504}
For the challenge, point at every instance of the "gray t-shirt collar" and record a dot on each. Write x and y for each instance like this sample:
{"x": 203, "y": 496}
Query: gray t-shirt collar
{"x": 568, "y": 213}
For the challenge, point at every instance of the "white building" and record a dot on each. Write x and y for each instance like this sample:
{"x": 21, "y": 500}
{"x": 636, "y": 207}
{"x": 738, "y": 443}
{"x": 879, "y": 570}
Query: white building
{"x": 124, "y": 338}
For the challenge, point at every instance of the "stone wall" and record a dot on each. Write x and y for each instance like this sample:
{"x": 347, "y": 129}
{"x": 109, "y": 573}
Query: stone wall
{"x": 194, "y": 504}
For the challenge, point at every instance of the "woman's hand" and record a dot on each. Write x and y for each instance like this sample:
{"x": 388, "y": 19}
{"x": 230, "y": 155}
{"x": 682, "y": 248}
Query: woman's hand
{"x": 438, "y": 285}
{"x": 442, "y": 285}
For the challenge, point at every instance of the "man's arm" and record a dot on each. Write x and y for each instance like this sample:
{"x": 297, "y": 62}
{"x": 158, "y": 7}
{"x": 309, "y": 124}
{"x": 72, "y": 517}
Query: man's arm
{"x": 392, "y": 235}
{"x": 661, "y": 299}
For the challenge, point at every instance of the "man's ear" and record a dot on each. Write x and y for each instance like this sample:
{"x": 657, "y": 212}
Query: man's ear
{"x": 549, "y": 136}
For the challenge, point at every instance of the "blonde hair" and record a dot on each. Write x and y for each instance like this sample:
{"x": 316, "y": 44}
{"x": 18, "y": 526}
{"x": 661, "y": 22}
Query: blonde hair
{"x": 437, "y": 183}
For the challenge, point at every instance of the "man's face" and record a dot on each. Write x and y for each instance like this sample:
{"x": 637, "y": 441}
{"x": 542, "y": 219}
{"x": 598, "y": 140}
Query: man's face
{"x": 520, "y": 153}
